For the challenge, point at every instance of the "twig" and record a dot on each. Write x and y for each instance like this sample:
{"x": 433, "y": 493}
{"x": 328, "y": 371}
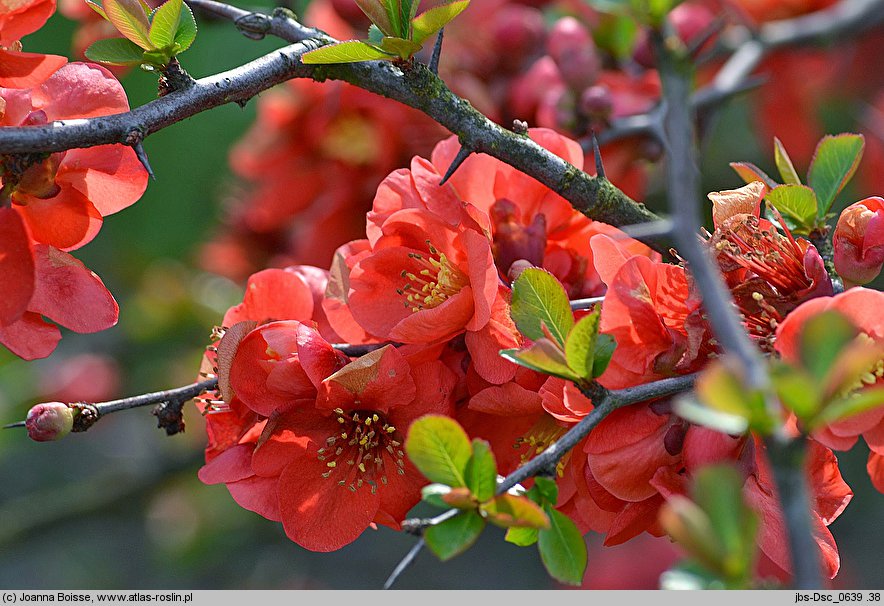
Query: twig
{"x": 416, "y": 87}
{"x": 676, "y": 73}
{"x": 605, "y": 402}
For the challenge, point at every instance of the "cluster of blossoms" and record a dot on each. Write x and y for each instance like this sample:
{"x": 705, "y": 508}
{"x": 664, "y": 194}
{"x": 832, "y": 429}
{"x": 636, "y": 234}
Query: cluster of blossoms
{"x": 309, "y": 432}
{"x": 552, "y": 63}
{"x": 51, "y": 204}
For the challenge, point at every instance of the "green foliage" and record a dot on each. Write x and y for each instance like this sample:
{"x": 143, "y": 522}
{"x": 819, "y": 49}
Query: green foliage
{"x": 834, "y": 163}
{"x": 465, "y": 476}
{"x": 395, "y": 34}
{"x": 562, "y": 548}
{"x": 439, "y": 448}
{"x": 455, "y": 535}
{"x": 541, "y": 311}
{"x": 540, "y": 306}
{"x": 805, "y": 208}
{"x": 717, "y": 529}
{"x": 152, "y": 37}
{"x": 648, "y": 12}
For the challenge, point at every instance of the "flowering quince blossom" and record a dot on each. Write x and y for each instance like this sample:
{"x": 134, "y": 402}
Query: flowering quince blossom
{"x": 52, "y": 205}
{"x": 859, "y": 241}
{"x": 861, "y": 306}
{"x": 19, "y": 69}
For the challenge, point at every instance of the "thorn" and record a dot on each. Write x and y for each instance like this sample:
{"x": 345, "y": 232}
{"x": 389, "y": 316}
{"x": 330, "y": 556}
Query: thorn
{"x": 14, "y": 425}
{"x": 459, "y": 159}
{"x": 599, "y": 165}
{"x": 142, "y": 157}
{"x": 437, "y": 52}
{"x": 585, "y": 303}
{"x": 242, "y": 103}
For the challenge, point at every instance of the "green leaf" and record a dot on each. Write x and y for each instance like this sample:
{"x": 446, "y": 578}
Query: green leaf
{"x": 186, "y": 32}
{"x": 129, "y": 18}
{"x": 834, "y": 162}
{"x": 433, "y": 493}
{"x": 562, "y": 548}
{"x": 784, "y": 164}
{"x": 580, "y": 344}
{"x": 543, "y": 356}
{"x": 375, "y": 35}
{"x": 507, "y": 510}
{"x": 796, "y": 390}
{"x": 692, "y": 410}
{"x": 853, "y": 404}
{"x": 795, "y": 201}
{"x": 454, "y": 536}
{"x": 439, "y": 448}
{"x": 604, "y": 351}
{"x": 521, "y": 536}
{"x": 547, "y": 489}
{"x": 378, "y": 15}
{"x": 481, "y": 471}
{"x": 749, "y": 172}
{"x": 349, "y": 51}
{"x": 616, "y": 34}
{"x": 823, "y": 337}
{"x": 429, "y": 22}
{"x": 538, "y": 299}
{"x": 399, "y": 46}
{"x": 164, "y": 24}
{"x": 115, "y": 51}
{"x": 718, "y": 490}
{"x": 97, "y": 8}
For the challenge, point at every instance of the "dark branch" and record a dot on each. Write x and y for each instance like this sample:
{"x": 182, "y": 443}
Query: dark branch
{"x": 412, "y": 84}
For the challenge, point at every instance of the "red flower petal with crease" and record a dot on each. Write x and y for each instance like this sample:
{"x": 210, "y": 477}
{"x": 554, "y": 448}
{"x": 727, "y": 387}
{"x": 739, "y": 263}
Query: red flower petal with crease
{"x": 16, "y": 267}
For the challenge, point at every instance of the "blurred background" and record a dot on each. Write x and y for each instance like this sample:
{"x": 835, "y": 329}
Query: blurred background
{"x": 120, "y": 506}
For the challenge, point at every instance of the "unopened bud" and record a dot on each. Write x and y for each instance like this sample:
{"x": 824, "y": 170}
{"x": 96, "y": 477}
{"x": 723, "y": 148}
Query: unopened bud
{"x": 859, "y": 241}
{"x": 49, "y": 421}
{"x": 574, "y": 52}
{"x": 518, "y": 35}
{"x": 596, "y": 102}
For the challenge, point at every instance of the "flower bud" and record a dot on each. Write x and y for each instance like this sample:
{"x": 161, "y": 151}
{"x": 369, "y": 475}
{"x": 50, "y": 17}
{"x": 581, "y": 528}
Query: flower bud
{"x": 574, "y": 52}
{"x": 859, "y": 241}
{"x": 518, "y": 34}
{"x": 49, "y": 421}
{"x": 596, "y": 102}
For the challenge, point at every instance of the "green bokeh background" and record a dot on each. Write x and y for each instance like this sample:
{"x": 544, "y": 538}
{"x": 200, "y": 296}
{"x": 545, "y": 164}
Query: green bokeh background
{"x": 120, "y": 507}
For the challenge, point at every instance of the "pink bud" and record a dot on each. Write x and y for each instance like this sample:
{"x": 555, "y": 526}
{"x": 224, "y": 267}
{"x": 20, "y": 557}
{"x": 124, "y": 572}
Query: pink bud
{"x": 574, "y": 52}
{"x": 49, "y": 421}
{"x": 518, "y": 34}
{"x": 597, "y": 102}
{"x": 859, "y": 241}
{"x": 689, "y": 22}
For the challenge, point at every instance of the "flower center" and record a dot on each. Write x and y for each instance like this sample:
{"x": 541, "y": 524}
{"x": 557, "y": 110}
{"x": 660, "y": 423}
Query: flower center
{"x": 436, "y": 280}
{"x": 873, "y": 374}
{"x": 356, "y": 453}
{"x": 545, "y": 432}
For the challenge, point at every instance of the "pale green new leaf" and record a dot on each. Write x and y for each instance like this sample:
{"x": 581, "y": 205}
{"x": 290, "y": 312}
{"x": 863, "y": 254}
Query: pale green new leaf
{"x": 429, "y": 22}
{"x": 539, "y": 299}
{"x": 439, "y": 447}
{"x": 834, "y": 162}
{"x": 164, "y": 24}
{"x": 797, "y": 202}
{"x": 115, "y": 51}
{"x": 129, "y": 18}
{"x": 784, "y": 164}
{"x": 186, "y": 32}
{"x": 350, "y": 51}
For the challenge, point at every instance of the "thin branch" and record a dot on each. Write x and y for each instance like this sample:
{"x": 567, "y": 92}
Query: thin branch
{"x": 605, "y": 402}
{"x": 404, "y": 563}
{"x": 412, "y": 84}
{"x": 676, "y": 73}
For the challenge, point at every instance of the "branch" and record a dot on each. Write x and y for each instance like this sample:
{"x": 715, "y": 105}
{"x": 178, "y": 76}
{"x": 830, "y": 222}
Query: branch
{"x": 168, "y": 411}
{"x": 604, "y": 403}
{"x": 409, "y": 83}
{"x": 786, "y": 455}
{"x": 841, "y": 21}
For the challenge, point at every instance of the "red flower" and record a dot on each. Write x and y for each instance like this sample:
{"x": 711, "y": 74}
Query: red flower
{"x": 859, "y": 241}
{"x": 769, "y": 273}
{"x": 862, "y": 307}
{"x": 18, "y": 69}
{"x": 334, "y": 462}
{"x": 528, "y": 220}
{"x": 57, "y": 204}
